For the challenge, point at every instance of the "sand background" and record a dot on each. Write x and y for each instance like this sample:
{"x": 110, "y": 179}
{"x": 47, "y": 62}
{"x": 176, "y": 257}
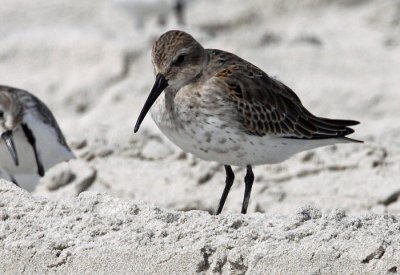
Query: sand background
{"x": 330, "y": 210}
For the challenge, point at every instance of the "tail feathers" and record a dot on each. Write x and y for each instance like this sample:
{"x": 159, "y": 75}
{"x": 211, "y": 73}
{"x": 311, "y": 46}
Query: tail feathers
{"x": 325, "y": 128}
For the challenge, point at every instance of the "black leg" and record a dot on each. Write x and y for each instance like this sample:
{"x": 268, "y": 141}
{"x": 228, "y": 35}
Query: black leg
{"x": 248, "y": 180}
{"x": 230, "y": 177}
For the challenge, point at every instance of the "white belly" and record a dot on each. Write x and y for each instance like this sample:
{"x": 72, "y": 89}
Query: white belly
{"x": 212, "y": 140}
{"x": 27, "y": 162}
{"x": 51, "y": 152}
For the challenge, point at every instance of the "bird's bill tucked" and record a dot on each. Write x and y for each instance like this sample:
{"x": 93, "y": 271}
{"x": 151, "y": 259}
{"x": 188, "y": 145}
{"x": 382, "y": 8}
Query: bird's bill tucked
{"x": 8, "y": 140}
{"x": 159, "y": 85}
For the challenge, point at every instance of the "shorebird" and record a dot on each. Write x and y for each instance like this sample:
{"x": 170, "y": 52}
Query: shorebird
{"x": 31, "y": 140}
{"x": 222, "y": 108}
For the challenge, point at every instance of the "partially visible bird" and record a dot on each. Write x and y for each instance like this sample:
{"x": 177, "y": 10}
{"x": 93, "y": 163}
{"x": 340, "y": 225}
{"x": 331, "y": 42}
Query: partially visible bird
{"x": 31, "y": 140}
{"x": 222, "y": 108}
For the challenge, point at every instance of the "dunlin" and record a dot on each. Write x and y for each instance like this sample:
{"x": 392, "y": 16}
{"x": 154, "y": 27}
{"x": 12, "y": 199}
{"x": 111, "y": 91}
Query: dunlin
{"x": 222, "y": 108}
{"x": 32, "y": 141}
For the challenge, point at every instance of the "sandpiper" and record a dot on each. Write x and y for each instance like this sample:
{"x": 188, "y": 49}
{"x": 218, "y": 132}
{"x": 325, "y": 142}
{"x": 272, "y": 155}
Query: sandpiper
{"x": 32, "y": 141}
{"x": 222, "y": 108}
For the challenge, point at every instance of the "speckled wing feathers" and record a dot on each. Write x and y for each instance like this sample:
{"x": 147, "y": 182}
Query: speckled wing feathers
{"x": 266, "y": 106}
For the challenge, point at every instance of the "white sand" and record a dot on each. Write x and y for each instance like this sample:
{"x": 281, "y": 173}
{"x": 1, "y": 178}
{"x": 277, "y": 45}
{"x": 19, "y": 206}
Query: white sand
{"x": 91, "y": 65}
{"x": 96, "y": 233}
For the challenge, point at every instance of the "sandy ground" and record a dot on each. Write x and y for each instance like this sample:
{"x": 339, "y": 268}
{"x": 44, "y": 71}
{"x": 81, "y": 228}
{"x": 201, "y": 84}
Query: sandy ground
{"x": 331, "y": 210}
{"x": 96, "y": 233}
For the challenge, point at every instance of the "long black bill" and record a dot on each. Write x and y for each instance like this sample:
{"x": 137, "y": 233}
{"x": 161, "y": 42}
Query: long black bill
{"x": 159, "y": 86}
{"x": 8, "y": 139}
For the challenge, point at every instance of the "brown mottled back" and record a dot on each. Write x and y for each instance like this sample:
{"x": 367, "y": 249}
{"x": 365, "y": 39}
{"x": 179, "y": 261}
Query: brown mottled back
{"x": 265, "y": 105}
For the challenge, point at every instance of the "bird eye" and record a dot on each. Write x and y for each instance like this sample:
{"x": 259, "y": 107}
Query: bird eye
{"x": 1, "y": 114}
{"x": 180, "y": 59}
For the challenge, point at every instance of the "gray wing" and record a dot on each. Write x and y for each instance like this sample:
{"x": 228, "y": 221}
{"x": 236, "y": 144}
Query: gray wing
{"x": 266, "y": 106}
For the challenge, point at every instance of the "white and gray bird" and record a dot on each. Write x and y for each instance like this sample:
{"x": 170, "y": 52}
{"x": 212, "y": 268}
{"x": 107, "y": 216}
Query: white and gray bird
{"x": 31, "y": 140}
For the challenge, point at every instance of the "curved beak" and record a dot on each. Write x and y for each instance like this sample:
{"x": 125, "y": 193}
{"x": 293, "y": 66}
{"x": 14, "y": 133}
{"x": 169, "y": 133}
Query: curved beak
{"x": 8, "y": 139}
{"x": 159, "y": 85}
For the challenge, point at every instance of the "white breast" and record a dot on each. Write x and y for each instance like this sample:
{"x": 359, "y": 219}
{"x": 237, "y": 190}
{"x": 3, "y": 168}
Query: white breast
{"x": 50, "y": 151}
{"x": 27, "y": 163}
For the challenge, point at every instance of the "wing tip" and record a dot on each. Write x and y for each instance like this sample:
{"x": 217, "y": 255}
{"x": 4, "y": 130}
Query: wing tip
{"x": 339, "y": 122}
{"x": 339, "y": 133}
{"x": 339, "y": 128}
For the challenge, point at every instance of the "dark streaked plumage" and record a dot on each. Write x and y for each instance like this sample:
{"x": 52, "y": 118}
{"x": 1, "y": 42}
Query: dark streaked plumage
{"x": 265, "y": 106}
{"x": 222, "y": 108}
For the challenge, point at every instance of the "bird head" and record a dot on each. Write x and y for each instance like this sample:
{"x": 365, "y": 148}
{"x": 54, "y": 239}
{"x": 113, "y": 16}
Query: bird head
{"x": 177, "y": 59}
{"x": 10, "y": 118}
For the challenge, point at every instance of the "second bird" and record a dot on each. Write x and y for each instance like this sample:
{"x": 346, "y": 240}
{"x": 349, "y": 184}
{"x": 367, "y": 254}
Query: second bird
{"x": 220, "y": 107}
{"x": 31, "y": 140}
